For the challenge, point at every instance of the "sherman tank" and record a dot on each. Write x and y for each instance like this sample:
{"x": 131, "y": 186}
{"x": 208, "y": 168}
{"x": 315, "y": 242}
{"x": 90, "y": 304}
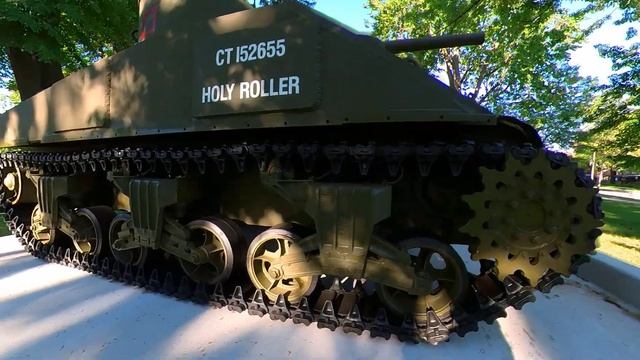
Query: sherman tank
{"x": 273, "y": 160}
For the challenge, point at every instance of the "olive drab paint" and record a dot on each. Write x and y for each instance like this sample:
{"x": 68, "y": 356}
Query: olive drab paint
{"x": 228, "y": 132}
{"x": 214, "y": 65}
{"x": 257, "y": 70}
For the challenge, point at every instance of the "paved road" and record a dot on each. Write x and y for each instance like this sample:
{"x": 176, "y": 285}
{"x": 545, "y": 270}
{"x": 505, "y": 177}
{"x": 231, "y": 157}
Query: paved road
{"x": 48, "y": 311}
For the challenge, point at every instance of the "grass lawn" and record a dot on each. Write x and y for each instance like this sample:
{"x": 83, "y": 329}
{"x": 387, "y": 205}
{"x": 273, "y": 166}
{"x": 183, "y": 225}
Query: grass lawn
{"x": 621, "y": 238}
{"x": 3, "y": 228}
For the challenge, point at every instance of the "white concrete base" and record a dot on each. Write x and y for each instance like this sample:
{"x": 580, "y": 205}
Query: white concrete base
{"x": 48, "y": 311}
{"x": 617, "y": 278}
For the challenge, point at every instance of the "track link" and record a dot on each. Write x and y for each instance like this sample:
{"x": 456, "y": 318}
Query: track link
{"x": 333, "y": 307}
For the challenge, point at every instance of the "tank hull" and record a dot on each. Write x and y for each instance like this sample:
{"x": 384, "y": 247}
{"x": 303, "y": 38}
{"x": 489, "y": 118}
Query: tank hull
{"x": 254, "y": 153}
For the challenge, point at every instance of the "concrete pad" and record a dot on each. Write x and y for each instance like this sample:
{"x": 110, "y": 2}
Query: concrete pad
{"x": 48, "y": 311}
{"x": 619, "y": 279}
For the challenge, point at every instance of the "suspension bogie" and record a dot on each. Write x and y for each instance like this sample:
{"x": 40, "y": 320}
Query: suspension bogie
{"x": 280, "y": 218}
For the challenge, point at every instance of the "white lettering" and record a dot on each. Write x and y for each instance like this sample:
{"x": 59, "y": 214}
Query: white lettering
{"x": 294, "y": 84}
{"x": 244, "y": 90}
{"x": 229, "y": 88}
{"x": 284, "y": 86}
{"x": 288, "y": 85}
{"x": 229, "y": 51}
{"x": 220, "y": 57}
{"x": 255, "y": 89}
{"x": 271, "y": 87}
{"x": 251, "y": 52}
{"x": 206, "y": 94}
{"x": 215, "y": 93}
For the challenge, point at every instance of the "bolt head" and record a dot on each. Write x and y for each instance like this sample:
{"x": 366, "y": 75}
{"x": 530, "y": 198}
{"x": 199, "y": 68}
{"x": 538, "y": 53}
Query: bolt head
{"x": 275, "y": 273}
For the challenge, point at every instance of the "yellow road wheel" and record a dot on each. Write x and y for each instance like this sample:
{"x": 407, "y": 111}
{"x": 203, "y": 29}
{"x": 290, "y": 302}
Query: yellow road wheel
{"x": 264, "y": 265}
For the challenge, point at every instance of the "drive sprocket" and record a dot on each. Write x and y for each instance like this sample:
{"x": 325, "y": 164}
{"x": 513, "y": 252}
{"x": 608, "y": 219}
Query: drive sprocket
{"x": 533, "y": 215}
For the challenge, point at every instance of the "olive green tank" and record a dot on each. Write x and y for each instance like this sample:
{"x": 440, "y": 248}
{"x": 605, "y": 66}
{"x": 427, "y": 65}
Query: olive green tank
{"x": 275, "y": 161}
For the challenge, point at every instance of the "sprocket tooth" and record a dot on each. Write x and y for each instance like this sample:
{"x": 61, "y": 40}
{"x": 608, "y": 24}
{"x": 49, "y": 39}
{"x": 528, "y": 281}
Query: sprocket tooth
{"x": 508, "y": 267}
{"x": 554, "y": 265}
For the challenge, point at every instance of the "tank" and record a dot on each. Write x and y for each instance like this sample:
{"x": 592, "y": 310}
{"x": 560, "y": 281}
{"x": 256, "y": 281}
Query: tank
{"x": 273, "y": 160}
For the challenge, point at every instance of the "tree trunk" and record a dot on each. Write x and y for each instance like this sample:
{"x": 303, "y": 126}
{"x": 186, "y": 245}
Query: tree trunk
{"x": 32, "y": 75}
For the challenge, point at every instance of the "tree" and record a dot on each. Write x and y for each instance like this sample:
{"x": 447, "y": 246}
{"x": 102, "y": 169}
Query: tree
{"x": 523, "y": 67}
{"x": 614, "y": 115}
{"x": 259, "y": 3}
{"x": 41, "y": 40}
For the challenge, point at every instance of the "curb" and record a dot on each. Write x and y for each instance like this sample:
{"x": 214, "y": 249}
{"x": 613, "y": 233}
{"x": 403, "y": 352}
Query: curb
{"x": 615, "y": 277}
{"x": 620, "y": 198}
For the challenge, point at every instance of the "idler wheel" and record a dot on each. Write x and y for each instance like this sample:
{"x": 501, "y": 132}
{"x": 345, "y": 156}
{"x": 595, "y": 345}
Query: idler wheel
{"x": 119, "y": 230}
{"x": 92, "y": 226}
{"x": 223, "y": 243}
{"x": 265, "y": 257}
{"x": 435, "y": 260}
{"x": 40, "y": 232}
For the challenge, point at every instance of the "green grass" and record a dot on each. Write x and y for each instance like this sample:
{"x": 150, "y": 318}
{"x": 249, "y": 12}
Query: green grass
{"x": 3, "y": 228}
{"x": 621, "y": 238}
{"x": 621, "y": 218}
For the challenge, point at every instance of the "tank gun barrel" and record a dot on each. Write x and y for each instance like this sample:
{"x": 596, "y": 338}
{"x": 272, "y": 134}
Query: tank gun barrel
{"x": 434, "y": 42}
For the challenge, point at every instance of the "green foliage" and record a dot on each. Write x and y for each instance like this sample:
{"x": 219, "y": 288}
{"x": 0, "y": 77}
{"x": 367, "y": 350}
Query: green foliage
{"x": 259, "y": 3}
{"x": 614, "y": 114}
{"x": 70, "y": 32}
{"x": 523, "y": 67}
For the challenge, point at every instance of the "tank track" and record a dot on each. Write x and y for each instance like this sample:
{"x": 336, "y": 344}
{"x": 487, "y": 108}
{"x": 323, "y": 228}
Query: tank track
{"x": 332, "y": 307}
